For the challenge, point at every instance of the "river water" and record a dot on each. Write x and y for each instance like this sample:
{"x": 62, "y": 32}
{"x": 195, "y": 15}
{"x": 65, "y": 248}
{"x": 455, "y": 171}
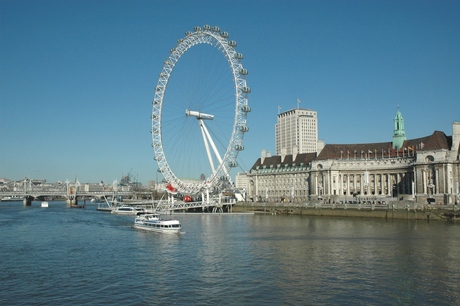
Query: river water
{"x": 68, "y": 256}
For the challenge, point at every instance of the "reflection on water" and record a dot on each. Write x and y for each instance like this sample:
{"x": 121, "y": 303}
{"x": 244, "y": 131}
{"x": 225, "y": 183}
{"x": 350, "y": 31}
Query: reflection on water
{"x": 82, "y": 256}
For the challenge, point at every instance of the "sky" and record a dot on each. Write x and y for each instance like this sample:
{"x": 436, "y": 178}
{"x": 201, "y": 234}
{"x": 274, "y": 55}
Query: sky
{"x": 77, "y": 78}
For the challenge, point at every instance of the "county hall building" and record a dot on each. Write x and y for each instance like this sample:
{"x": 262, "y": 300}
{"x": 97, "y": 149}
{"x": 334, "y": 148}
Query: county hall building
{"x": 426, "y": 169}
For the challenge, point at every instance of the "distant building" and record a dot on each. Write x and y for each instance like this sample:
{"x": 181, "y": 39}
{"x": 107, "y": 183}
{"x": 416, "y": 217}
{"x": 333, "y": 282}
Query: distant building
{"x": 425, "y": 169}
{"x": 296, "y": 131}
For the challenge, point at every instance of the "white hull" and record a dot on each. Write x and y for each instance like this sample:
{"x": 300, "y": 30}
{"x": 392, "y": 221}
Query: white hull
{"x": 125, "y": 210}
{"x": 158, "y": 230}
{"x": 153, "y": 223}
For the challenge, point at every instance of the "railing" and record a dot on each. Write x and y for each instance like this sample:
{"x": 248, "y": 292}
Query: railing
{"x": 391, "y": 205}
{"x": 37, "y": 193}
{"x": 180, "y": 205}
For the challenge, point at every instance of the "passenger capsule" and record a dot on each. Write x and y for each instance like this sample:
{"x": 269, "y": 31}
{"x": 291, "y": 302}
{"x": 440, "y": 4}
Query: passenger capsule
{"x": 239, "y": 56}
{"x": 179, "y": 41}
{"x": 244, "y": 71}
{"x": 246, "y": 108}
{"x": 244, "y": 128}
{"x": 216, "y": 29}
{"x": 188, "y": 33}
{"x": 224, "y": 34}
{"x": 239, "y": 147}
{"x": 232, "y": 43}
{"x": 233, "y": 164}
{"x": 206, "y": 27}
{"x": 197, "y": 29}
{"x": 246, "y": 89}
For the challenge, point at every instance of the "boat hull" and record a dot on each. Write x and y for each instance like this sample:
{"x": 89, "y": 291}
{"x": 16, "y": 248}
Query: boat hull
{"x": 157, "y": 230}
{"x": 153, "y": 223}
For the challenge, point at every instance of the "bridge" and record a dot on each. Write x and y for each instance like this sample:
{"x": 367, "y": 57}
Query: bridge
{"x": 71, "y": 196}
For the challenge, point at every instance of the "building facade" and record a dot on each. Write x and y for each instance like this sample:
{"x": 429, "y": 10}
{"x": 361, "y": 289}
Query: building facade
{"x": 425, "y": 169}
{"x": 296, "y": 131}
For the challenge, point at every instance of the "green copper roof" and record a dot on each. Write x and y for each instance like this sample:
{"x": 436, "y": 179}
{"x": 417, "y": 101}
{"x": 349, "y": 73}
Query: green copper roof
{"x": 399, "y": 135}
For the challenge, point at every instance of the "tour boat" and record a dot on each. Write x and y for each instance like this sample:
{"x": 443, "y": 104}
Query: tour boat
{"x": 12, "y": 198}
{"x": 125, "y": 210}
{"x": 44, "y": 204}
{"x": 155, "y": 223}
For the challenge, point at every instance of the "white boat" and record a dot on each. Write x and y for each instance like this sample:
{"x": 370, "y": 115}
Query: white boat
{"x": 13, "y": 198}
{"x": 44, "y": 204}
{"x": 155, "y": 223}
{"x": 125, "y": 210}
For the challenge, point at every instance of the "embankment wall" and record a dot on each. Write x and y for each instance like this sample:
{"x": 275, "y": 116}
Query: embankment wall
{"x": 392, "y": 210}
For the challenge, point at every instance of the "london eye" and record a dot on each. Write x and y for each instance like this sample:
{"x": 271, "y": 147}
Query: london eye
{"x": 199, "y": 112}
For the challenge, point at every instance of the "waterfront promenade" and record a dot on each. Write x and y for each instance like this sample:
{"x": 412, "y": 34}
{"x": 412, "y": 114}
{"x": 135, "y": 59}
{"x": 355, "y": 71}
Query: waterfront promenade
{"x": 391, "y": 210}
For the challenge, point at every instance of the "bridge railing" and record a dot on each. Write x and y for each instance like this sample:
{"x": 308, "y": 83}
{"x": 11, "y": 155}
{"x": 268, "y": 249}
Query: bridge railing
{"x": 37, "y": 193}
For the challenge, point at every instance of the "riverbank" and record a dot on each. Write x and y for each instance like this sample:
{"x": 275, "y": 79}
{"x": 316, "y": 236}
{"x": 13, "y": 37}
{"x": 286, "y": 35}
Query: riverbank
{"x": 391, "y": 210}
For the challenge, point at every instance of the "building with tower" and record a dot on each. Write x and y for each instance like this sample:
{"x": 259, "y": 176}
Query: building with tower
{"x": 425, "y": 170}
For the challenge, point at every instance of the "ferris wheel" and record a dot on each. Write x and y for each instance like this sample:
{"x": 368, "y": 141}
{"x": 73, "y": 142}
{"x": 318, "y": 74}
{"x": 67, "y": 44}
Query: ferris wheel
{"x": 199, "y": 111}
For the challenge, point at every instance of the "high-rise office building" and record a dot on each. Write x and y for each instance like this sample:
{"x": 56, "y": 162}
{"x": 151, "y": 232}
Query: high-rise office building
{"x": 296, "y": 132}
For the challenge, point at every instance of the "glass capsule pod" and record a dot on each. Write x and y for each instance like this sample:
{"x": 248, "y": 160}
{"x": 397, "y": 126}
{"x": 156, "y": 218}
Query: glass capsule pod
{"x": 197, "y": 29}
{"x": 207, "y": 27}
{"x": 239, "y": 147}
{"x": 246, "y": 89}
{"x": 233, "y": 164}
{"x": 239, "y": 56}
{"x": 244, "y": 71}
{"x": 232, "y": 43}
{"x": 216, "y": 29}
{"x": 244, "y": 128}
{"x": 188, "y": 33}
{"x": 246, "y": 108}
{"x": 224, "y": 34}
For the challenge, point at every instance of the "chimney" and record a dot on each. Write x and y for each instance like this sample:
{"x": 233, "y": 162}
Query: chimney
{"x": 295, "y": 151}
{"x": 283, "y": 154}
{"x": 455, "y": 136}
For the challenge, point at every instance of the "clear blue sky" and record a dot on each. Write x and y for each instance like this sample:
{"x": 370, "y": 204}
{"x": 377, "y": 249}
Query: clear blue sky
{"x": 77, "y": 77}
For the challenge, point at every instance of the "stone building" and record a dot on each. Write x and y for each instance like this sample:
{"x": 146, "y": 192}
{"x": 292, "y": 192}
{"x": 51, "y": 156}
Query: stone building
{"x": 425, "y": 169}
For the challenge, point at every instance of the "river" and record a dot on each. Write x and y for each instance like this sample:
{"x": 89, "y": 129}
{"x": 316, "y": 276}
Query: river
{"x": 70, "y": 256}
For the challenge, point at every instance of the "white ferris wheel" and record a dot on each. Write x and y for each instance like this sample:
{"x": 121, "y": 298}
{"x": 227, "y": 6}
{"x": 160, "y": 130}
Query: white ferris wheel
{"x": 199, "y": 112}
